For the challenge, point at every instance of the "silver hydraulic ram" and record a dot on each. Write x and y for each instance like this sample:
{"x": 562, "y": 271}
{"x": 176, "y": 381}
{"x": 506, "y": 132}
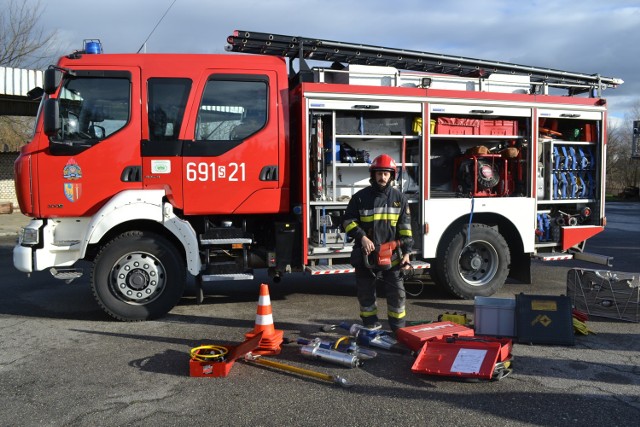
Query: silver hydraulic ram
{"x": 314, "y": 351}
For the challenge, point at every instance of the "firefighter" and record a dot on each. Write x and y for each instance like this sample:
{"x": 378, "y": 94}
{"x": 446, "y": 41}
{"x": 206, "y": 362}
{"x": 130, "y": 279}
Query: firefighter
{"x": 376, "y": 215}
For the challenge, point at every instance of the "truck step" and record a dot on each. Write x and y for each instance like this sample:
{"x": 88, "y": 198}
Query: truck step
{"x": 68, "y": 274}
{"x": 553, "y": 257}
{"x": 224, "y": 236}
{"x": 241, "y": 240}
{"x": 348, "y": 268}
{"x": 221, "y": 277}
{"x": 420, "y": 265}
{"x": 330, "y": 269}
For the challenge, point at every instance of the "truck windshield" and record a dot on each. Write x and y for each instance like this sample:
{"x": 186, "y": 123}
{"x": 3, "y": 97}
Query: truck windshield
{"x": 92, "y": 108}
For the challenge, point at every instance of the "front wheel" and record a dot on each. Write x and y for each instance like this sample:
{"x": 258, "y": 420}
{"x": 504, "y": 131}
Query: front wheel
{"x": 138, "y": 276}
{"x": 475, "y": 262}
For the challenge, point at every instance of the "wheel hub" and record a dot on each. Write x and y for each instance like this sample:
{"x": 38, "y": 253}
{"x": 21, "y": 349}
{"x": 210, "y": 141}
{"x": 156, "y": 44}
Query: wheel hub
{"x": 138, "y": 277}
{"x": 471, "y": 260}
{"x": 138, "y": 280}
{"x": 478, "y": 263}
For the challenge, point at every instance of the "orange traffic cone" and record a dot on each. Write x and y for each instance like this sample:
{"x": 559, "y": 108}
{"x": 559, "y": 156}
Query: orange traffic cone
{"x": 271, "y": 337}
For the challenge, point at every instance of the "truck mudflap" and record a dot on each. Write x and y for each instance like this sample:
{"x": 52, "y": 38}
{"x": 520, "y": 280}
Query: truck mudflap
{"x": 317, "y": 270}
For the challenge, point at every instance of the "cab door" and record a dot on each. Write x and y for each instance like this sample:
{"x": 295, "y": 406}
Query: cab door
{"x": 98, "y": 141}
{"x": 231, "y": 166}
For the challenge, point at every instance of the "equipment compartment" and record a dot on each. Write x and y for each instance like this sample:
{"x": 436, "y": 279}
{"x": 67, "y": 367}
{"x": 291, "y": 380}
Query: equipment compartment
{"x": 342, "y": 145}
{"x": 570, "y": 170}
{"x": 373, "y": 123}
{"x": 479, "y": 151}
{"x": 569, "y": 184}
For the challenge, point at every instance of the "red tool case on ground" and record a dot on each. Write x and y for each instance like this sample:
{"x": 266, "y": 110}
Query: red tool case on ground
{"x": 415, "y": 336}
{"x": 468, "y": 357}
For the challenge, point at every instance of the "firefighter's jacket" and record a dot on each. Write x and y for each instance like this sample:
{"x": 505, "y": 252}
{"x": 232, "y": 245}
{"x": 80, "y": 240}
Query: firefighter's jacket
{"x": 382, "y": 215}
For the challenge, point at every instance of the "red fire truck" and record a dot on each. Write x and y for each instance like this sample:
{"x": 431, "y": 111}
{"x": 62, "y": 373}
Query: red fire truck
{"x": 157, "y": 166}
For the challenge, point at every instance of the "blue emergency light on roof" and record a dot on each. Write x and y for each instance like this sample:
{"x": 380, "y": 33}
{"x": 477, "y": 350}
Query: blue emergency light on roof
{"x": 92, "y": 46}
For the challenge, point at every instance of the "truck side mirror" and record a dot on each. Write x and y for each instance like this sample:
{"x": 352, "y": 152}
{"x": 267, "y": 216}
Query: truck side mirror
{"x": 51, "y": 80}
{"x": 51, "y": 116}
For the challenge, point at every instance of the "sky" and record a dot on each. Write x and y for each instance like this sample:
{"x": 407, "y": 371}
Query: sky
{"x": 585, "y": 36}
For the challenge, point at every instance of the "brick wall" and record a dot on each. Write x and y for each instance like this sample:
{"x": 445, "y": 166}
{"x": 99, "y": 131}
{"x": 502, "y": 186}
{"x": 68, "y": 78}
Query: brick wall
{"x": 7, "y": 187}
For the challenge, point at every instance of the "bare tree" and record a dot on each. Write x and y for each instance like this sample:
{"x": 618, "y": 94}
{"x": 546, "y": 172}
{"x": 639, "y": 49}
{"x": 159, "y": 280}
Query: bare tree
{"x": 622, "y": 170}
{"x": 632, "y": 175}
{"x": 23, "y": 42}
{"x": 616, "y": 156}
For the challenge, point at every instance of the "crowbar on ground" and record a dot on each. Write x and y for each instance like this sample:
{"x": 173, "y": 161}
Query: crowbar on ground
{"x": 335, "y": 379}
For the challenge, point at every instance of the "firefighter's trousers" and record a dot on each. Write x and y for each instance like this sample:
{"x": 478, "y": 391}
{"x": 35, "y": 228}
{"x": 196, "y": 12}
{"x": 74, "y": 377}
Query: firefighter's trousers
{"x": 366, "y": 283}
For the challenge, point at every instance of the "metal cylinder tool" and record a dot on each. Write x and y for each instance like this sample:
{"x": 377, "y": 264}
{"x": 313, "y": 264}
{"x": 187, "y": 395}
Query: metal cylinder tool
{"x": 343, "y": 351}
{"x": 333, "y": 356}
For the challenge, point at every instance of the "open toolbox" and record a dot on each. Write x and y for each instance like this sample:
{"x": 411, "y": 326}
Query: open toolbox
{"x": 478, "y": 357}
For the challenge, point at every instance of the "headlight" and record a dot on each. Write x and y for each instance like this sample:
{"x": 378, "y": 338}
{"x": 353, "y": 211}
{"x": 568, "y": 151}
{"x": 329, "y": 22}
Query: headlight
{"x": 28, "y": 236}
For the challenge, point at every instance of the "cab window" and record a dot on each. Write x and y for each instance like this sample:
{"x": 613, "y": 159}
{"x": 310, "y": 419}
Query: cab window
{"x": 167, "y": 100}
{"x": 232, "y": 108}
{"x": 92, "y": 108}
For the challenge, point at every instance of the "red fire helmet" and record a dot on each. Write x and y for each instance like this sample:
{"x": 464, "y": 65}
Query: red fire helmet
{"x": 383, "y": 162}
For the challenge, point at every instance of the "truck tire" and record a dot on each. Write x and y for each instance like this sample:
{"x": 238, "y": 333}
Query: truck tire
{"x": 435, "y": 278}
{"x": 138, "y": 276}
{"x": 479, "y": 268}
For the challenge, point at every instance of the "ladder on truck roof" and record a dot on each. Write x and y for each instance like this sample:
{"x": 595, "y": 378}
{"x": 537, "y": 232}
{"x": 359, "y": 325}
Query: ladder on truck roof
{"x": 327, "y": 50}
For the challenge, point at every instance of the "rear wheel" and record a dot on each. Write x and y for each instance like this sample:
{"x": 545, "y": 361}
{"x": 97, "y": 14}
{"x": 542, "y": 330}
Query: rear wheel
{"x": 477, "y": 268}
{"x": 138, "y": 276}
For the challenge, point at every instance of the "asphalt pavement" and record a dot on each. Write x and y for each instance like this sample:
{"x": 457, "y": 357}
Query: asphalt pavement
{"x": 63, "y": 362}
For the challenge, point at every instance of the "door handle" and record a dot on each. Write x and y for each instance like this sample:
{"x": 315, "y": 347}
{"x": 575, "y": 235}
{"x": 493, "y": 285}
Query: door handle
{"x": 131, "y": 174}
{"x": 269, "y": 173}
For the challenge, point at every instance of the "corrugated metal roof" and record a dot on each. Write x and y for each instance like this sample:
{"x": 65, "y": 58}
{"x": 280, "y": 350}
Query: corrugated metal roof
{"x": 19, "y": 81}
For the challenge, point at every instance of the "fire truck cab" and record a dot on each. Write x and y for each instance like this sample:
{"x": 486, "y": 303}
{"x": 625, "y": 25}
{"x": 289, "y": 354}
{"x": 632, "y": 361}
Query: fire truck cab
{"x": 155, "y": 165}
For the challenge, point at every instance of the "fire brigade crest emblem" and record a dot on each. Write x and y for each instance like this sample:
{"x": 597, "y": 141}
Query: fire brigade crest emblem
{"x": 72, "y": 191}
{"x": 72, "y": 171}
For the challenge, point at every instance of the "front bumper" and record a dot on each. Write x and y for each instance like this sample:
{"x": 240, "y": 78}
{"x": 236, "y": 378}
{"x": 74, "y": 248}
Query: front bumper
{"x": 45, "y": 244}
{"x": 23, "y": 258}
{"x": 23, "y": 251}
